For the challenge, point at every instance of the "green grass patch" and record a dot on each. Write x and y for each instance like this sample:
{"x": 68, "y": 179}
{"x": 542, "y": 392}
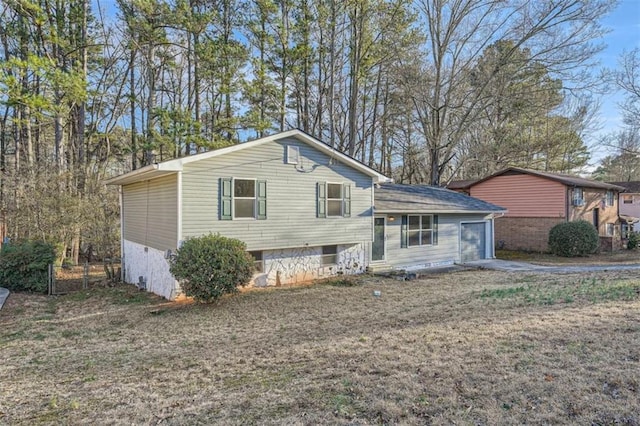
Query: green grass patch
{"x": 342, "y": 282}
{"x": 586, "y": 289}
{"x": 501, "y": 293}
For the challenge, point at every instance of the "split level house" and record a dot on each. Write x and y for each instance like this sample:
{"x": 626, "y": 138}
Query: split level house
{"x": 629, "y": 207}
{"x": 304, "y": 210}
{"x": 536, "y": 201}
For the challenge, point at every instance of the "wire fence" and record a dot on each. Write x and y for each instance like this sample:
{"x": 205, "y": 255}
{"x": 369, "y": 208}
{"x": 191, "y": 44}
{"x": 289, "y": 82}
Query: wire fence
{"x": 66, "y": 279}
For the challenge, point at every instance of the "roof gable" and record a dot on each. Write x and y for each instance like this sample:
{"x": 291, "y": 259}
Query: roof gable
{"x": 568, "y": 180}
{"x": 398, "y": 198}
{"x": 173, "y": 166}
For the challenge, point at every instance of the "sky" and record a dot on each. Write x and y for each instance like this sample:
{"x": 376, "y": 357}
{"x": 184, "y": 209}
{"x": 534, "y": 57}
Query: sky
{"x": 624, "y": 23}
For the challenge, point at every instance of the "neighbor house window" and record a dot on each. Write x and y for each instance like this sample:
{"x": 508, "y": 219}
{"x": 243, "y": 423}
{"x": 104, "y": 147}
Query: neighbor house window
{"x": 243, "y": 199}
{"x": 609, "y": 198}
{"x": 329, "y": 255}
{"x": 333, "y": 199}
{"x": 258, "y": 261}
{"x": 627, "y": 199}
{"x": 610, "y": 228}
{"x": 624, "y": 230}
{"x": 419, "y": 230}
{"x": 578, "y": 197}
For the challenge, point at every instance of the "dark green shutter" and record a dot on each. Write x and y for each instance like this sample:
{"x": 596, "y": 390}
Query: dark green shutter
{"x": 435, "y": 230}
{"x": 322, "y": 199}
{"x": 404, "y": 234}
{"x": 226, "y": 198}
{"x": 262, "y": 199}
{"x": 346, "y": 200}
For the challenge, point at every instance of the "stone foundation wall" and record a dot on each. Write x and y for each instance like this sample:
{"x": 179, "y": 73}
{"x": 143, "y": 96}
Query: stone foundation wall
{"x": 151, "y": 265}
{"x": 524, "y": 233}
{"x": 281, "y": 267}
{"x": 304, "y": 264}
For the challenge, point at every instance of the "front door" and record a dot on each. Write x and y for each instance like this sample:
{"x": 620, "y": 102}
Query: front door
{"x": 377, "y": 249}
{"x": 472, "y": 241}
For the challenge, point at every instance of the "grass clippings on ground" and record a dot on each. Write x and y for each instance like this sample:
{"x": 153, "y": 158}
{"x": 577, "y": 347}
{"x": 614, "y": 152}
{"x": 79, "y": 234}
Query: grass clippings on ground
{"x": 464, "y": 348}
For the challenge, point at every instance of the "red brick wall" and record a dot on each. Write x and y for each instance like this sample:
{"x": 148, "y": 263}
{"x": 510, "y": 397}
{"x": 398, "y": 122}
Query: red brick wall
{"x": 610, "y": 244}
{"x": 524, "y": 233}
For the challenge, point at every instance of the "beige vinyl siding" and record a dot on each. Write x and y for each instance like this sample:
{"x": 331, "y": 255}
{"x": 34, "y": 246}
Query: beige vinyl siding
{"x": 447, "y": 249}
{"x": 291, "y": 198}
{"x": 594, "y": 199}
{"x": 150, "y": 212}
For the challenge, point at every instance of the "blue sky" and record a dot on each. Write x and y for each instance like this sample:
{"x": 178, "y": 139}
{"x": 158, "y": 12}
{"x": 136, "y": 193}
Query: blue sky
{"x": 624, "y": 23}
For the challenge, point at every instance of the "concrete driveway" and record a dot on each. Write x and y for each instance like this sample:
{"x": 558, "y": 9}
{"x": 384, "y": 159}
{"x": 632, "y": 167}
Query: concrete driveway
{"x": 512, "y": 266}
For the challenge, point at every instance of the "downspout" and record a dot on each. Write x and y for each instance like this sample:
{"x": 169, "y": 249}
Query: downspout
{"x": 566, "y": 203}
{"x": 174, "y": 292}
{"x": 492, "y": 223}
{"x": 122, "y": 259}
{"x": 179, "y": 213}
{"x": 373, "y": 222}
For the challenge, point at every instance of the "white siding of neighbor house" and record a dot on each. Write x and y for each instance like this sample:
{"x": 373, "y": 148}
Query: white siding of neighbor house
{"x": 446, "y": 252}
{"x": 291, "y": 198}
{"x": 631, "y": 209}
{"x": 150, "y": 212}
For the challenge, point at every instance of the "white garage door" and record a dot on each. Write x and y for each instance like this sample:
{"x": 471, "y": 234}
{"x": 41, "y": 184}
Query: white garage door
{"x": 473, "y": 241}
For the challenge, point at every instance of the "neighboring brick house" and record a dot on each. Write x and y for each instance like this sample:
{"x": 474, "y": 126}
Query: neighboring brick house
{"x": 629, "y": 206}
{"x": 536, "y": 201}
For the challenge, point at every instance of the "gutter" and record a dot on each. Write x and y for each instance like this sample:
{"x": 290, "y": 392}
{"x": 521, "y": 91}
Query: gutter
{"x": 133, "y": 174}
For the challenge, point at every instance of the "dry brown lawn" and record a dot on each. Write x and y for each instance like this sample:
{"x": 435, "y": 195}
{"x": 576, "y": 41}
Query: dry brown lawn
{"x": 474, "y": 347}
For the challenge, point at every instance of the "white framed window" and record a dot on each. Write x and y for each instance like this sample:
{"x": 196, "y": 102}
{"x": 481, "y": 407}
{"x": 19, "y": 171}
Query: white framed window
{"x": 420, "y": 230}
{"x": 293, "y": 154}
{"x": 258, "y": 261}
{"x": 627, "y": 199}
{"x": 610, "y": 227}
{"x": 242, "y": 198}
{"x": 329, "y": 255}
{"x": 609, "y": 198}
{"x": 333, "y": 199}
{"x": 578, "y": 197}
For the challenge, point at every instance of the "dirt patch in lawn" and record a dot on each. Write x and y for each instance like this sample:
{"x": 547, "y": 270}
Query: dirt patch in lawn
{"x": 480, "y": 347}
{"x": 622, "y": 257}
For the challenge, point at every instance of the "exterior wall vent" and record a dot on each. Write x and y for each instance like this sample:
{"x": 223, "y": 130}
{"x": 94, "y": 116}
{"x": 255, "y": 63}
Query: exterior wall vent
{"x": 293, "y": 155}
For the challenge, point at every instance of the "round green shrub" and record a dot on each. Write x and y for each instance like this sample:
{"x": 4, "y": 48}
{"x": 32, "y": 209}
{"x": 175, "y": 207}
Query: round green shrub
{"x": 632, "y": 241}
{"x": 24, "y": 266}
{"x": 210, "y": 266}
{"x": 571, "y": 239}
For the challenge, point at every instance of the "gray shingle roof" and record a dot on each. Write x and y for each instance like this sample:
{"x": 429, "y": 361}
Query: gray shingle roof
{"x": 398, "y": 198}
{"x": 633, "y": 186}
{"x": 558, "y": 177}
{"x": 461, "y": 184}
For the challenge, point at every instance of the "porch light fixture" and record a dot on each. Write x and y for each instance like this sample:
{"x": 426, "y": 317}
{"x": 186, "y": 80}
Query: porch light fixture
{"x": 392, "y": 218}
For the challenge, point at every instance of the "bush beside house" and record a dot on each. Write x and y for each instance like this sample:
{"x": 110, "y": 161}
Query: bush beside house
{"x": 571, "y": 239}
{"x": 210, "y": 266}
